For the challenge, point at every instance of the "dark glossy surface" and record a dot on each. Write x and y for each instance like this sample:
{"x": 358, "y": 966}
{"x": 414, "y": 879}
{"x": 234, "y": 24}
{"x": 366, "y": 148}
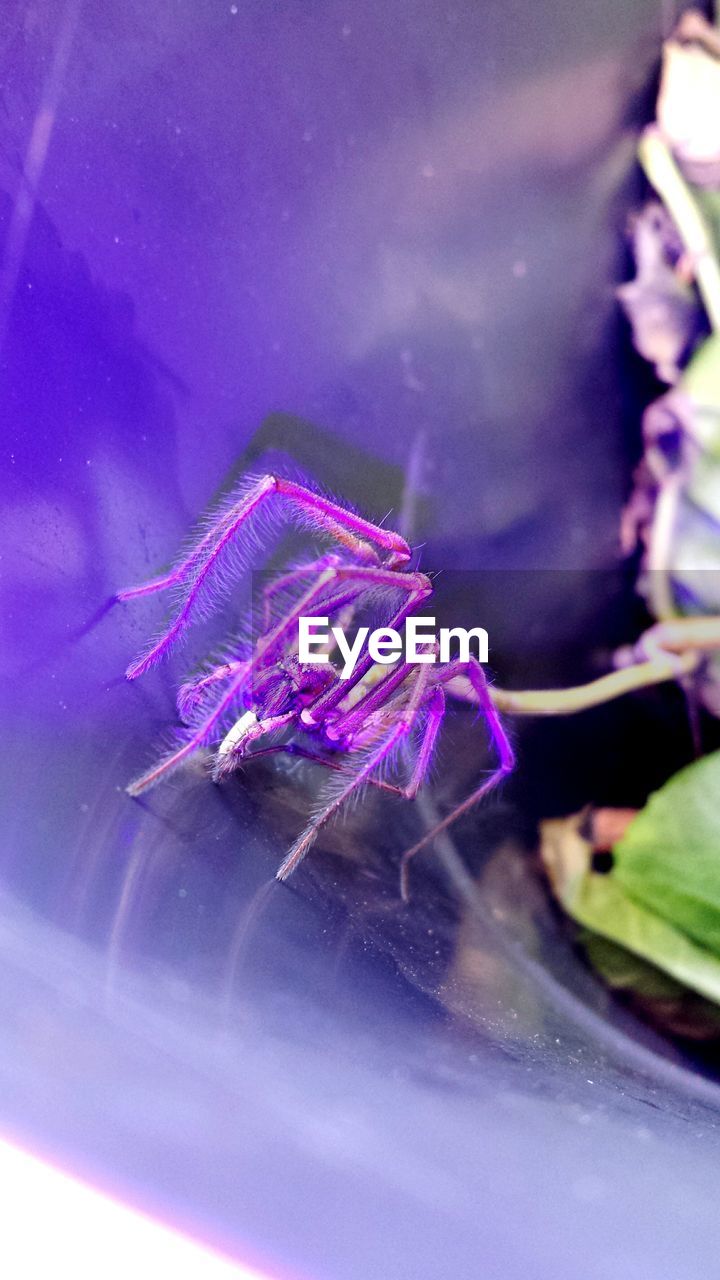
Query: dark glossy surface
{"x": 401, "y": 223}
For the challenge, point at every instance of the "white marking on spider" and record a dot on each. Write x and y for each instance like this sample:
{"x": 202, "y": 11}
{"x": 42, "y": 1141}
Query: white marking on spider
{"x": 246, "y": 723}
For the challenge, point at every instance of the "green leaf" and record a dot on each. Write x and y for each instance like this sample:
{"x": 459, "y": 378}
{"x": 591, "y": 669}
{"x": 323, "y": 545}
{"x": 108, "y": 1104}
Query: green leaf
{"x": 668, "y": 860}
{"x": 601, "y": 903}
{"x": 666, "y": 1002}
{"x": 624, "y": 971}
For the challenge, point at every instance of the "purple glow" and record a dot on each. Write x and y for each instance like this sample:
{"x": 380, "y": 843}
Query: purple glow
{"x": 271, "y": 692}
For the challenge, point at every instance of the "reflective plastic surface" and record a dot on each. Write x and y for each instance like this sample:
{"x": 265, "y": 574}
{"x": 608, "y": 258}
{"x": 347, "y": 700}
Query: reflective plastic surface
{"x": 390, "y": 234}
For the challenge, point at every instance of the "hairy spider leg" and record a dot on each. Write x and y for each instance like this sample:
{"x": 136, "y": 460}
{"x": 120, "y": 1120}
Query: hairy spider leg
{"x": 351, "y": 721}
{"x": 334, "y": 519}
{"x": 418, "y": 587}
{"x": 239, "y": 507}
{"x": 435, "y": 716}
{"x": 199, "y": 736}
{"x": 372, "y": 703}
{"x": 237, "y": 683}
{"x": 360, "y": 536}
{"x": 289, "y": 579}
{"x": 266, "y": 675}
{"x": 192, "y": 692}
{"x": 201, "y": 566}
{"x": 303, "y": 753}
{"x": 373, "y": 761}
{"x": 435, "y": 703}
{"x": 350, "y": 529}
{"x": 359, "y": 579}
{"x": 475, "y": 673}
{"x": 506, "y": 759}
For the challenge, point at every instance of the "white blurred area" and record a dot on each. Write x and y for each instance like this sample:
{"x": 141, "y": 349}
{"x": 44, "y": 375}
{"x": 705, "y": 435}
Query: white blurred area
{"x": 55, "y": 1226}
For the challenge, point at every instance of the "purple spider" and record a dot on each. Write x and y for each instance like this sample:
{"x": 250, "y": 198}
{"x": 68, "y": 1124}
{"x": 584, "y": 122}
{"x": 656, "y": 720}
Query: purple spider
{"x": 359, "y": 725}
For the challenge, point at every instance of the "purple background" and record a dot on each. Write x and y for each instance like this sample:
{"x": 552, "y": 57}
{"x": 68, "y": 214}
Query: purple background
{"x": 402, "y": 222}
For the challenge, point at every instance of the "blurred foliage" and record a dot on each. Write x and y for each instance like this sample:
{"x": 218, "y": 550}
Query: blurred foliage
{"x": 644, "y": 926}
{"x": 667, "y": 861}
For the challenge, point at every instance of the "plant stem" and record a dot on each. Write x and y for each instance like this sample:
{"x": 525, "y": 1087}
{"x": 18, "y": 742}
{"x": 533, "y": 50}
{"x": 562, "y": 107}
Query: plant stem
{"x": 563, "y": 702}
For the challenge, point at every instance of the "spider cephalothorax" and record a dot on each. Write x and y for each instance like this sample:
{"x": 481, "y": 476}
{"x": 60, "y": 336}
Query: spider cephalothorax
{"x": 262, "y": 698}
